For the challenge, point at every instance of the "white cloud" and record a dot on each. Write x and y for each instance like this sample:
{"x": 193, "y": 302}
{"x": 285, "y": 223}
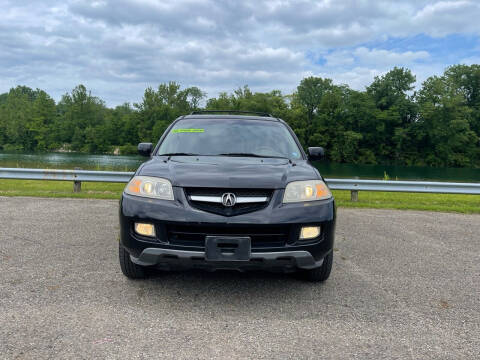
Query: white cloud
{"x": 339, "y": 59}
{"x": 470, "y": 60}
{"x": 119, "y": 47}
{"x": 381, "y": 57}
{"x": 357, "y": 78}
{"x": 357, "y": 67}
{"x": 444, "y": 17}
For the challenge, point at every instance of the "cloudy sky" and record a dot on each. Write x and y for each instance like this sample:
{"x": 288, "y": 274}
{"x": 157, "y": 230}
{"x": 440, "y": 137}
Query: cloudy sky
{"x": 118, "y": 48}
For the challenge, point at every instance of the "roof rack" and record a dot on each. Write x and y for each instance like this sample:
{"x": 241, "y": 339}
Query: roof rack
{"x": 199, "y": 112}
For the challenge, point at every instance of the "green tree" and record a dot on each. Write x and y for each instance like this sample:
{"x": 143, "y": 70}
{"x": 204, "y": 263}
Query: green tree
{"x": 40, "y": 124}
{"x": 160, "y": 107}
{"x": 397, "y": 111}
{"x": 444, "y": 132}
{"x": 387, "y": 123}
{"x": 15, "y": 118}
{"x": 310, "y": 93}
{"x": 77, "y": 112}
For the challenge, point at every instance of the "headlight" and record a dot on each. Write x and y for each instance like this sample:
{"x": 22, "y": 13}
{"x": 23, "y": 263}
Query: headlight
{"x": 310, "y": 190}
{"x": 151, "y": 187}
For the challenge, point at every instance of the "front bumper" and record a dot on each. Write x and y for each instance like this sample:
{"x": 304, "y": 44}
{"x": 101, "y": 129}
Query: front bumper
{"x": 171, "y": 218}
{"x": 171, "y": 258}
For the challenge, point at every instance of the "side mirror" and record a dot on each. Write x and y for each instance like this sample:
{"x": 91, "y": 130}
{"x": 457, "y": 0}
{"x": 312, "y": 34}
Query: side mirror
{"x": 316, "y": 153}
{"x": 145, "y": 149}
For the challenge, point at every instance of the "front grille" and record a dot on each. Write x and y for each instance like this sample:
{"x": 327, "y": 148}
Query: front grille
{"x": 237, "y": 209}
{"x": 260, "y": 235}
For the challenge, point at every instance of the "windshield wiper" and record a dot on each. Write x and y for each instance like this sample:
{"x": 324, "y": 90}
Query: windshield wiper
{"x": 177, "y": 154}
{"x": 253, "y": 155}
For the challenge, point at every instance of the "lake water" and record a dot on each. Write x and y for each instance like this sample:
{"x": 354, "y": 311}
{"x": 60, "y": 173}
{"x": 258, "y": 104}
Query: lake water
{"x": 131, "y": 162}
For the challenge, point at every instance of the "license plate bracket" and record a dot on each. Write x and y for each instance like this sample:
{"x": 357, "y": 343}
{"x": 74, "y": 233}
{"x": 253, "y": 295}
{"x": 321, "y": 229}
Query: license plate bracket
{"x": 227, "y": 248}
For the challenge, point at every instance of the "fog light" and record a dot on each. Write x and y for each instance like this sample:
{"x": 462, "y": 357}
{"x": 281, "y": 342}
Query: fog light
{"x": 145, "y": 229}
{"x": 309, "y": 232}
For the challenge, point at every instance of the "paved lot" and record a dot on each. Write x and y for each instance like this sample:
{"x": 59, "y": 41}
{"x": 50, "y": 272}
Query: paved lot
{"x": 404, "y": 285}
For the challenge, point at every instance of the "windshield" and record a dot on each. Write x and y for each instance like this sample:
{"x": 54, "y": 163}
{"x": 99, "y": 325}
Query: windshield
{"x": 230, "y": 137}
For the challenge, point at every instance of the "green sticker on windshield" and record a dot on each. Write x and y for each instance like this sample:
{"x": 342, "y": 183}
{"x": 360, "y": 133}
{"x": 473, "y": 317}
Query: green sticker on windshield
{"x": 176, "y": 131}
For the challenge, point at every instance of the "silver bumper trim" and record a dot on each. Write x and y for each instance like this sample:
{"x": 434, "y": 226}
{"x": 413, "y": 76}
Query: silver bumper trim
{"x": 154, "y": 256}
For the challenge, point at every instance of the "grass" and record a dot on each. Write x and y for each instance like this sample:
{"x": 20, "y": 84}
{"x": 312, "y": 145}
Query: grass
{"x": 59, "y": 189}
{"x": 468, "y": 204}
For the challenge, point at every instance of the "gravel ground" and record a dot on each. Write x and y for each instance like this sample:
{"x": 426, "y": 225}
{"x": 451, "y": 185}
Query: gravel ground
{"x": 404, "y": 284}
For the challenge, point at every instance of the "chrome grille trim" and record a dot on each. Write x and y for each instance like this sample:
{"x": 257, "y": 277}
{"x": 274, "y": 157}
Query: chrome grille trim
{"x": 240, "y": 199}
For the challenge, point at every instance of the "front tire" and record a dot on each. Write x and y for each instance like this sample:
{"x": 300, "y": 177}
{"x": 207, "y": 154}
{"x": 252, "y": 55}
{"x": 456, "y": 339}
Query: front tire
{"x": 321, "y": 273}
{"x": 129, "y": 268}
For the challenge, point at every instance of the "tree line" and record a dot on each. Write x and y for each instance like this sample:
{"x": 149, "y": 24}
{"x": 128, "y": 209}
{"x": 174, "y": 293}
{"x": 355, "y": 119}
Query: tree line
{"x": 388, "y": 123}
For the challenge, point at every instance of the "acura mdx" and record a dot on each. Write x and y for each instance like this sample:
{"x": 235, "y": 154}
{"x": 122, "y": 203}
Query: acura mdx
{"x": 227, "y": 192}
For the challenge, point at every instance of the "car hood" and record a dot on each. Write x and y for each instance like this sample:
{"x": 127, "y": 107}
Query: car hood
{"x": 228, "y": 172}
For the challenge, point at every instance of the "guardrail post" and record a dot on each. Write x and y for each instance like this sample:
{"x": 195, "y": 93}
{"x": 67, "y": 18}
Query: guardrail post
{"x": 354, "y": 196}
{"x": 77, "y": 185}
{"x": 354, "y": 193}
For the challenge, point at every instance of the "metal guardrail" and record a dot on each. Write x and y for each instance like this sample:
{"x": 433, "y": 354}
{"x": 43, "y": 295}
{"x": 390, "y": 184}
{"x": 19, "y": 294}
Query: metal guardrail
{"x": 404, "y": 186}
{"x": 77, "y": 175}
{"x": 353, "y": 185}
{"x": 356, "y": 185}
{"x": 65, "y": 175}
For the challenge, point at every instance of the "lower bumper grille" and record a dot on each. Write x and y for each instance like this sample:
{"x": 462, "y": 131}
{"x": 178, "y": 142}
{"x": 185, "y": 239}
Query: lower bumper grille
{"x": 261, "y": 236}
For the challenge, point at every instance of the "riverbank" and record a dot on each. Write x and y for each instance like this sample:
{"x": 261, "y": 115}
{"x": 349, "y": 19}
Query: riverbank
{"x": 467, "y": 204}
{"x": 65, "y": 160}
{"x": 327, "y": 169}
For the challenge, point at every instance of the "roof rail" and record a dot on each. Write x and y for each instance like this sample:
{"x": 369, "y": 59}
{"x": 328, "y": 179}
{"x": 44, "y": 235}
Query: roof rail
{"x": 259, "y": 113}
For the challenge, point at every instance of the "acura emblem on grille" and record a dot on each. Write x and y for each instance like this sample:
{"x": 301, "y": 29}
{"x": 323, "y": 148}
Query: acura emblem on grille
{"x": 229, "y": 199}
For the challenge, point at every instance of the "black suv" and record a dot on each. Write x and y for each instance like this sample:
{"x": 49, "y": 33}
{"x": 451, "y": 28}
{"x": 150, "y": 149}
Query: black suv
{"x": 227, "y": 192}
